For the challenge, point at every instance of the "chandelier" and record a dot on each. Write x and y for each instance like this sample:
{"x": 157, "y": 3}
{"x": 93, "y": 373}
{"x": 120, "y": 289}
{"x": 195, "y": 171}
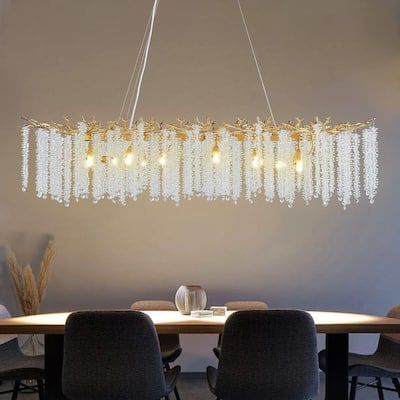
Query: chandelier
{"x": 123, "y": 159}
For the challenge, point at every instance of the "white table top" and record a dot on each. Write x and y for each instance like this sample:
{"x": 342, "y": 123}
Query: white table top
{"x": 174, "y": 322}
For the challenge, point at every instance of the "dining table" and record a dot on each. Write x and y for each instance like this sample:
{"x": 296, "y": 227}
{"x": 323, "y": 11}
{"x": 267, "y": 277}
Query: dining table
{"x": 335, "y": 325}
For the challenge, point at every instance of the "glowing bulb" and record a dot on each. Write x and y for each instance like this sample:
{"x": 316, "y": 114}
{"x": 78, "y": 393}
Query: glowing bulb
{"x": 114, "y": 161}
{"x": 89, "y": 158}
{"x": 280, "y": 165}
{"x": 298, "y": 161}
{"x": 216, "y": 154}
{"x": 128, "y": 158}
{"x": 163, "y": 159}
{"x": 256, "y": 161}
{"x": 299, "y": 166}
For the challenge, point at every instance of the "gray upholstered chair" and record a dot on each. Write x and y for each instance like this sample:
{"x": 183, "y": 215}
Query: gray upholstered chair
{"x": 384, "y": 363}
{"x": 239, "y": 306}
{"x": 169, "y": 343}
{"x": 267, "y": 355}
{"x": 114, "y": 355}
{"x": 15, "y": 366}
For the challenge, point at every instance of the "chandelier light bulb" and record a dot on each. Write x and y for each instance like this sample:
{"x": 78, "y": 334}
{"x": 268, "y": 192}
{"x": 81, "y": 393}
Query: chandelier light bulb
{"x": 114, "y": 161}
{"x": 89, "y": 158}
{"x": 128, "y": 158}
{"x": 163, "y": 159}
{"x": 256, "y": 161}
{"x": 298, "y": 161}
{"x": 216, "y": 154}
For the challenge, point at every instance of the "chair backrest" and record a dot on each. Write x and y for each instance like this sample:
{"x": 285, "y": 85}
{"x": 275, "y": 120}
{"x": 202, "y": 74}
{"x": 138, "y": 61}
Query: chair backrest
{"x": 389, "y": 343}
{"x": 246, "y": 305}
{"x": 167, "y": 341}
{"x": 153, "y": 305}
{"x": 111, "y": 355}
{"x": 268, "y": 354}
{"x": 5, "y": 338}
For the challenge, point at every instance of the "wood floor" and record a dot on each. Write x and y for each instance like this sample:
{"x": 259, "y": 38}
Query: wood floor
{"x": 193, "y": 386}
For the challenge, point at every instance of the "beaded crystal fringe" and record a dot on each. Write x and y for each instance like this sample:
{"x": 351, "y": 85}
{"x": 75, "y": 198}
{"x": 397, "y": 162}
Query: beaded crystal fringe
{"x": 212, "y": 165}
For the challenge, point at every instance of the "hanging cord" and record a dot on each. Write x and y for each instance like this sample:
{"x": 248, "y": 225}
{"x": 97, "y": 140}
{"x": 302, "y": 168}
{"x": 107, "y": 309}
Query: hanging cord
{"x": 256, "y": 62}
{"x": 133, "y": 73}
{"x": 146, "y": 53}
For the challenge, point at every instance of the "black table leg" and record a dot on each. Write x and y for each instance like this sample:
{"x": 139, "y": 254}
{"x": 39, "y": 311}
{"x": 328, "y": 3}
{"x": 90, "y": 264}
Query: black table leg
{"x": 53, "y": 359}
{"x": 337, "y": 364}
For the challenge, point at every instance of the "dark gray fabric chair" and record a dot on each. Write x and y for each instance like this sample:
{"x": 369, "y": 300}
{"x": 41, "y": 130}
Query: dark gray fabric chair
{"x": 267, "y": 355}
{"x": 169, "y": 343}
{"x": 383, "y": 363}
{"x": 15, "y": 366}
{"x": 239, "y": 306}
{"x": 114, "y": 355}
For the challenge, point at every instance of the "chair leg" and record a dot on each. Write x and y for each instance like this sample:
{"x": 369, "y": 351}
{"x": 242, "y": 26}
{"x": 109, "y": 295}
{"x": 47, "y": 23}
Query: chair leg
{"x": 353, "y": 387}
{"x": 176, "y": 393}
{"x": 379, "y": 388}
{"x": 166, "y": 397}
{"x": 15, "y": 390}
{"x": 40, "y": 389}
{"x": 396, "y": 384}
{"x": 167, "y": 366}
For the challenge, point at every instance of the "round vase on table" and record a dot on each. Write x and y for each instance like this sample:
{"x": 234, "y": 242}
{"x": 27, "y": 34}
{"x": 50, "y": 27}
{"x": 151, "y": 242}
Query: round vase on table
{"x": 190, "y": 298}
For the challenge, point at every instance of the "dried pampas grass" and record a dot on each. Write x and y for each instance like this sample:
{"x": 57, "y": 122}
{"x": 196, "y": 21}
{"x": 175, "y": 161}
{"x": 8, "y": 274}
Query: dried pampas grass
{"x": 29, "y": 290}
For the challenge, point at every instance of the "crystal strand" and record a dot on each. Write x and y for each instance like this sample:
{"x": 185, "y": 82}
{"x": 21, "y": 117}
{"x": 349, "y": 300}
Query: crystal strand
{"x": 56, "y": 165}
{"x": 370, "y": 153}
{"x": 143, "y": 148}
{"x": 317, "y": 159}
{"x": 290, "y": 178}
{"x": 25, "y": 157}
{"x": 98, "y": 174}
{"x": 344, "y": 168}
{"x": 42, "y": 163}
{"x": 81, "y": 173}
{"x": 112, "y": 165}
{"x": 166, "y": 167}
{"x": 269, "y": 167}
{"x": 237, "y": 152}
{"x": 355, "y": 163}
{"x": 326, "y": 152}
{"x": 187, "y": 149}
{"x": 67, "y": 169}
{"x": 154, "y": 166}
{"x": 122, "y": 170}
{"x": 175, "y": 168}
{"x": 223, "y": 169}
{"x": 247, "y": 167}
{"x": 306, "y": 146}
{"x": 197, "y": 162}
{"x": 256, "y": 161}
{"x": 207, "y": 166}
{"x": 132, "y": 169}
{"x": 286, "y": 183}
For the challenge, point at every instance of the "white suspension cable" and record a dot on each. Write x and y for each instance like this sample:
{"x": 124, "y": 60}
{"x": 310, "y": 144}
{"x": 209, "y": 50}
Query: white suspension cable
{"x": 146, "y": 53}
{"x": 256, "y": 62}
{"x": 129, "y": 108}
{"x": 134, "y": 71}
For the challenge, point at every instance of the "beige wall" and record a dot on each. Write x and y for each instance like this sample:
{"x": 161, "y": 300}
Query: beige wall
{"x": 338, "y": 58}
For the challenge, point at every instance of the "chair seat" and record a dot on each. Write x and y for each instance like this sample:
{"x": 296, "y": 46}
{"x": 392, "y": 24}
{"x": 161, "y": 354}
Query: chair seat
{"x": 22, "y": 367}
{"x": 171, "y": 377}
{"x": 217, "y": 351}
{"x": 169, "y": 355}
{"x": 373, "y": 365}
